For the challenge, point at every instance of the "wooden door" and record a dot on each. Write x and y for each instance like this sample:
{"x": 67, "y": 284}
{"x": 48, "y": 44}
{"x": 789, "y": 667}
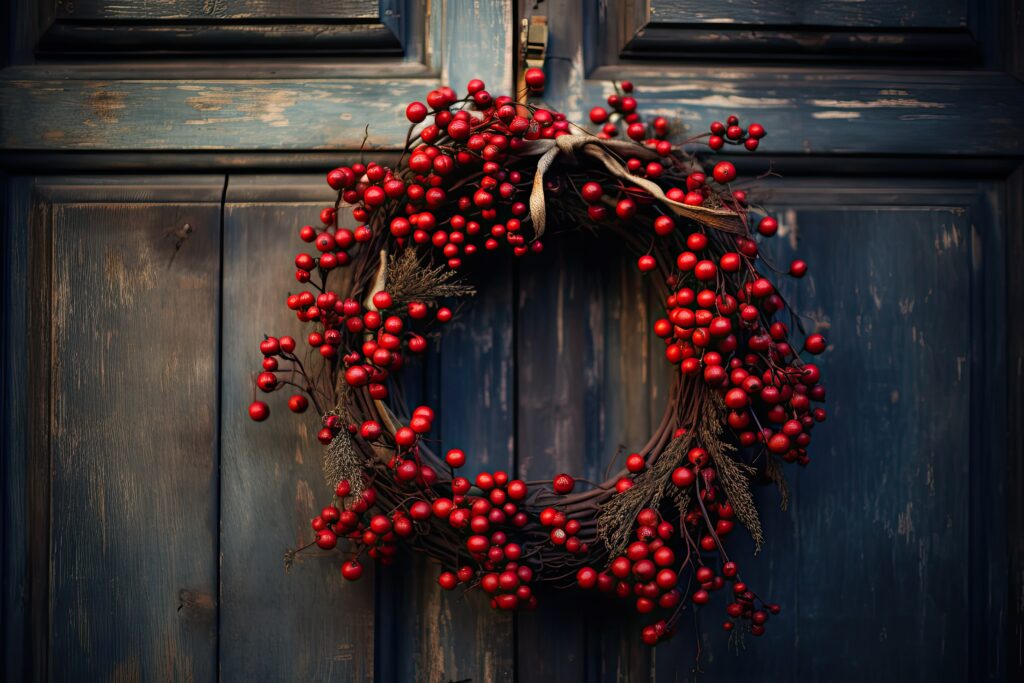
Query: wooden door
{"x": 158, "y": 155}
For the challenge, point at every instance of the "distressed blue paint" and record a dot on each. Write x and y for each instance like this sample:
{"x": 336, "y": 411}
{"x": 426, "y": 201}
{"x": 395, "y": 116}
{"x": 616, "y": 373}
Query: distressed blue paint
{"x": 308, "y": 623}
{"x": 133, "y": 526}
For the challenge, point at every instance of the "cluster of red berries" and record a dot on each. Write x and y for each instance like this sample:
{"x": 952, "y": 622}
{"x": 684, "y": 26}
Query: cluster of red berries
{"x": 376, "y": 534}
{"x": 459, "y": 190}
{"x": 624, "y": 115}
{"x": 721, "y": 329}
{"x": 732, "y": 133}
{"x": 564, "y": 532}
{"x": 645, "y": 573}
{"x": 431, "y": 206}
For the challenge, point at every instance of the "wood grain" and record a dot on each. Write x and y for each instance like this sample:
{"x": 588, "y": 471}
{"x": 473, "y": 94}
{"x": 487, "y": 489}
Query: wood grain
{"x": 469, "y": 379}
{"x": 875, "y": 14}
{"x": 586, "y": 399}
{"x": 847, "y": 113}
{"x": 263, "y": 10}
{"x": 1014, "y": 640}
{"x": 16, "y": 405}
{"x": 133, "y": 528}
{"x": 306, "y": 624}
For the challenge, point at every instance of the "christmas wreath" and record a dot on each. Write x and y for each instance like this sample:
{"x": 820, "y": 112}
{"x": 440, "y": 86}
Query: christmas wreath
{"x": 483, "y": 174}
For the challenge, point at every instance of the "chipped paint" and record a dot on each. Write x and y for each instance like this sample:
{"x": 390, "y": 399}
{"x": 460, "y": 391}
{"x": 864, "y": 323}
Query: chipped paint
{"x": 881, "y": 103}
{"x": 835, "y": 115}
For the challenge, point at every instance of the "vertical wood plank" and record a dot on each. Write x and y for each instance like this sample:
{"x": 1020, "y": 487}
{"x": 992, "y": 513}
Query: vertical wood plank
{"x": 1014, "y": 222}
{"x": 586, "y": 397}
{"x": 468, "y": 379}
{"x": 14, "y": 420}
{"x": 553, "y": 430}
{"x": 891, "y": 472}
{"x": 133, "y": 544}
{"x": 308, "y": 623}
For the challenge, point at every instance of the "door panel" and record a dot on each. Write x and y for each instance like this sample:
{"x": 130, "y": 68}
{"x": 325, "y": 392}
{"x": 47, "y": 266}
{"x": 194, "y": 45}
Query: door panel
{"x": 316, "y": 625}
{"x": 876, "y": 551}
{"x": 192, "y": 27}
{"x": 132, "y": 467}
{"x": 950, "y": 32}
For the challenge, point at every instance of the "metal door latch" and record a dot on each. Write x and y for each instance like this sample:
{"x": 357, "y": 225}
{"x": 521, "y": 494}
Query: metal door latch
{"x": 535, "y": 41}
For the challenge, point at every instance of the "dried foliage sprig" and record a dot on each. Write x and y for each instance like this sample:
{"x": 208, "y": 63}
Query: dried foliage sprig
{"x": 408, "y": 279}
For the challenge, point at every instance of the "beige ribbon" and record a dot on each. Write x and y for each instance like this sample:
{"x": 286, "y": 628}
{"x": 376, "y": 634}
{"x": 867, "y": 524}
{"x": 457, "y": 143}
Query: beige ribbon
{"x": 727, "y": 221}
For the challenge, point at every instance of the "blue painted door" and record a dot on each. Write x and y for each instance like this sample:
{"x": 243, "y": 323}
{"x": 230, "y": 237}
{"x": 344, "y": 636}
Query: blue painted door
{"x": 157, "y": 155}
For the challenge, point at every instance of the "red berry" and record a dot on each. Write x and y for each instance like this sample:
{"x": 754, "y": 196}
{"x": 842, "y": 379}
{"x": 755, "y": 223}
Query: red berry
{"x": 768, "y": 226}
{"x": 259, "y": 411}
{"x": 405, "y": 437}
{"x": 266, "y": 381}
{"x": 815, "y": 344}
{"x": 416, "y": 112}
{"x": 683, "y": 477}
{"x": 625, "y": 209}
{"x": 298, "y": 403}
{"x": 586, "y": 577}
{"x": 370, "y": 430}
{"x": 326, "y": 539}
{"x": 798, "y": 268}
{"x": 724, "y": 172}
{"x": 778, "y": 443}
{"x": 563, "y": 484}
{"x": 534, "y": 79}
{"x": 637, "y": 131}
{"x": 705, "y": 270}
{"x": 352, "y": 570}
{"x": 664, "y": 225}
{"x": 646, "y": 263}
{"x": 635, "y": 462}
{"x": 455, "y": 458}
{"x": 591, "y": 192}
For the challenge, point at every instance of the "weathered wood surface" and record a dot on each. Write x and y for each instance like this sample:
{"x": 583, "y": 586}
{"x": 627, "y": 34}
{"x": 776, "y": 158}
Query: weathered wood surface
{"x": 469, "y": 379}
{"x": 590, "y": 388}
{"x": 949, "y": 33}
{"x": 1015, "y": 423}
{"x": 15, "y": 402}
{"x": 94, "y": 27}
{"x": 306, "y": 624}
{"x": 894, "y": 544}
{"x": 897, "y": 482}
{"x": 263, "y": 10}
{"x": 439, "y": 636}
{"x": 895, "y": 113}
{"x": 133, "y": 459}
{"x": 876, "y": 14}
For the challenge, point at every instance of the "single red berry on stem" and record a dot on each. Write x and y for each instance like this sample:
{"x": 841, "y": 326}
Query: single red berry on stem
{"x": 534, "y": 79}
{"x": 563, "y": 484}
{"x": 259, "y": 411}
{"x": 298, "y": 403}
{"x": 768, "y": 226}
{"x": 724, "y": 172}
{"x": 352, "y": 570}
